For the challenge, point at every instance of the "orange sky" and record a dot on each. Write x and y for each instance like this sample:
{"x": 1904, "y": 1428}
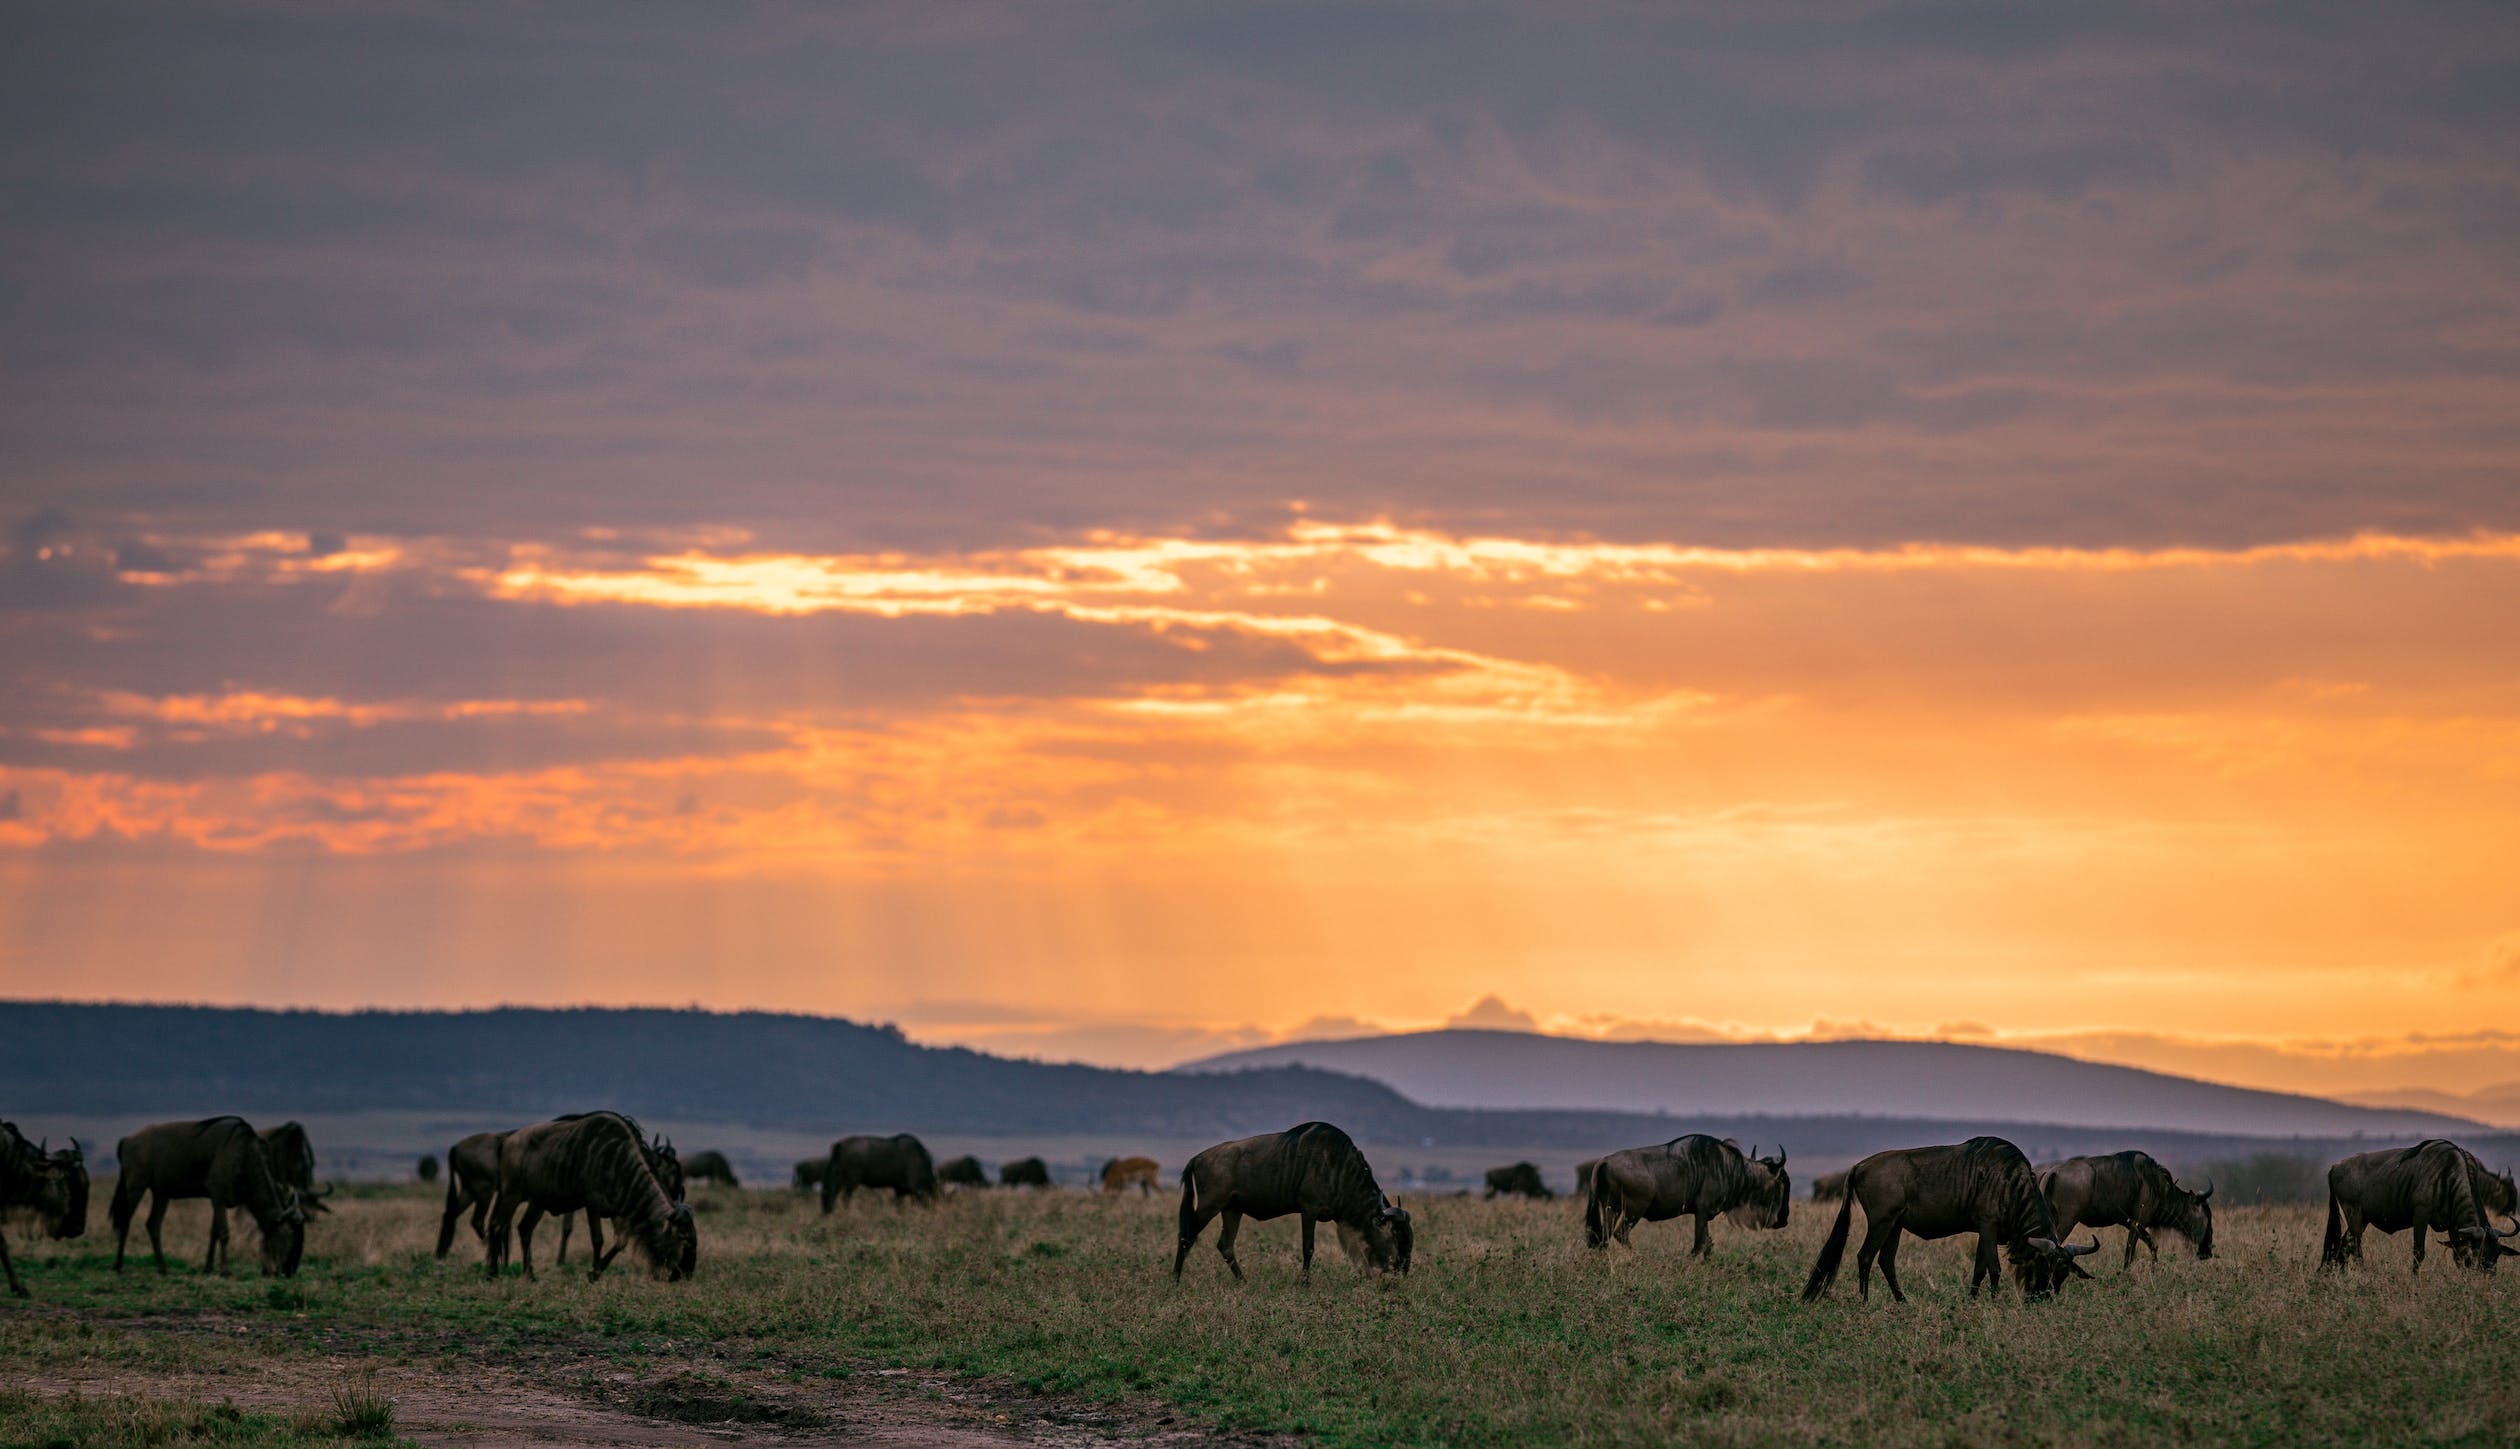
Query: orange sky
{"x": 1131, "y": 536}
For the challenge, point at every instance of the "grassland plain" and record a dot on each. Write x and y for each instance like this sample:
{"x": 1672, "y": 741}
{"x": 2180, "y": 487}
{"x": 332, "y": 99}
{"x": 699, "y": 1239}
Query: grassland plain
{"x": 1509, "y": 1331}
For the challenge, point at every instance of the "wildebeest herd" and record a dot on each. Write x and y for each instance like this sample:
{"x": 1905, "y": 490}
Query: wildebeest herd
{"x": 604, "y": 1166}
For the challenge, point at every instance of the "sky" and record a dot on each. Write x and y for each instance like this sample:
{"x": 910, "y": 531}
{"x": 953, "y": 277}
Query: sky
{"x": 1124, "y": 531}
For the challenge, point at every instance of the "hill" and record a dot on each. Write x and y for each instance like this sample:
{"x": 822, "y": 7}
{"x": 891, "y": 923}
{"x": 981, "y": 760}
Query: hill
{"x": 2498, "y": 1104}
{"x": 1475, "y": 1068}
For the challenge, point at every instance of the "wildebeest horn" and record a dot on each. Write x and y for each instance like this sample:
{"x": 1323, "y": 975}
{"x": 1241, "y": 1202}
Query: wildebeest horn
{"x": 2044, "y": 1245}
{"x": 2072, "y": 1251}
{"x": 2208, "y": 1193}
{"x": 1780, "y": 1154}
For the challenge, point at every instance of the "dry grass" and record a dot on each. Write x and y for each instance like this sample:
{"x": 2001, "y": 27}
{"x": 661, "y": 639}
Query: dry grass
{"x": 1509, "y": 1331}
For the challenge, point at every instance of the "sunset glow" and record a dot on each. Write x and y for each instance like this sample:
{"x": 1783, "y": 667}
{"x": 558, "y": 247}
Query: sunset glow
{"x": 1131, "y": 557}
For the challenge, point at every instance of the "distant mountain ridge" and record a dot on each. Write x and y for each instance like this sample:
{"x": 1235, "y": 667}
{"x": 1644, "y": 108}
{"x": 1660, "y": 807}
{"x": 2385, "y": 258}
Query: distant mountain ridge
{"x": 2498, "y": 1104}
{"x": 1476, "y": 1068}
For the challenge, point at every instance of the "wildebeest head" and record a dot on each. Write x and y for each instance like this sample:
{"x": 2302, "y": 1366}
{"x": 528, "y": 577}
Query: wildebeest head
{"x": 61, "y": 1189}
{"x": 1769, "y": 1202}
{"x": 2193, "y": 1215}
{"x": 1388, "y": 1238}
{"x": 2042, "y": 1265}
{"x": 685, "y": 1232}
{"x": 284, "y": 1237}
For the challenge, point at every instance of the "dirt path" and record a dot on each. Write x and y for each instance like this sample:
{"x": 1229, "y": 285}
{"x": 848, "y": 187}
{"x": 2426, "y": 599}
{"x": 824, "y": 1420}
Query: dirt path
{"x": 887, "y": 1408}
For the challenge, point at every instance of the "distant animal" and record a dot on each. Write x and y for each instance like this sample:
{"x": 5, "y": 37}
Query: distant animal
{"x": 1583, "y": 1176}
{"x": 710, "y": 1166}
{"x": 1828, "y": 1187}
{"x": 900, "y": 1162}
{"x": 964, "y": 1171}
{"x": 53, "y": 1184}
{"x": 808, "y": 1175}
{"x": 2426, "y": 1186}
{"x": 2128, "y": 1190}
{"x": 1697, "y": 1175}
{"x": 1983, "y": 1185}
{"x": 428, "y": 1167}
{"x": 1313, "y": 1171}
{"x": 2495, "y": 1194}
{"x": 292, "y": 1155}
{"x": 597, "y": 1163}
{"x": 472, "y": 1182}
{"x": 1028, "y": 1172}
{"x": 1521, "y": 1180}
{"x": 1122, "y": 1172}
{"x": 224, "y": 1160}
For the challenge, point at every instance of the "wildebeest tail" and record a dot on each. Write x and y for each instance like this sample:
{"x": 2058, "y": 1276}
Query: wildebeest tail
{"x": 1824, "y": 1271}
{"x": 2332, "y": 1250}
{"x": 454, "y": 1205}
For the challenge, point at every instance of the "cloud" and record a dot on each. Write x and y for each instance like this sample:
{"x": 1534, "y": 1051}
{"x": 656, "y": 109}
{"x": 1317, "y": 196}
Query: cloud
{"x": 1490, "y": 1013}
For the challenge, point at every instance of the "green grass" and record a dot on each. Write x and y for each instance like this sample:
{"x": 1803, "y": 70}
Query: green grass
{"x": 1510, "y": 1331}
{"x": 125, "y": 1421}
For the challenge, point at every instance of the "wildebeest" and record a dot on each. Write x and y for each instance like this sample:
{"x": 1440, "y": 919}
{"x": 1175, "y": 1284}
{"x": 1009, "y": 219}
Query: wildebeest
{"x": 2494, "y": 1193}
{"x": 1694, "y": 1174}
{"x": 964, "y": 1171}
{"x": 472, "y": 1181}
{"x": 1027, "y": 1172}
{"x": 1983, "y": 1185}
{"x": 53, "y": 1184}
{"x": 1522, "y": 1180}
{"x": 900, "y": 1162}
{"x": 292, "y": 1155}
{"x": 2128, "y": 1190}
{"x": 710, "y": 1166}
{"x": 661, "y": 1160}
{"x": 809, "y": 1174}
{"x": 222, "y": 1159}
{"x": 1828, "y": 1187}
{"x": 1313, "y": 1171}
{"x": 428, "y": 1167}
{"x": 1121, "y": 1172}
{"x": 597, "y": 1163}
{"x": 2426, "y": 1186}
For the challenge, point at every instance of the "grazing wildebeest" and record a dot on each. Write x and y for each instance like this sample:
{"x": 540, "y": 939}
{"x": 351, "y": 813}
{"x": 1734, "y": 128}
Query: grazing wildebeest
{"x": 1828, "y": 1187}
{"x": 900, "y": 1162}
{"x": 963, "y": 1171}
{"x": 710, "y": 1166}
{"x": 222, "y": 1159}
{"x": 428, "y": 1167}
{"x": 1695, "y": 1174}
{"x": 472, "y": 1181}
{"x": 292, "y": 1156}
{"x": 597, "y": 1163}
{"x": 2426, "y": 1186}
{"x": 1983, "y": 1185}
{"x": 1313, "y": 1171}
{"x": 54, "y": 1184}
{"x": 661, "y": 1160}
{"x": 1121, "y": 1172}
{"x": 2128, "y": 1190}
{"x": 1522, "y": 1180}
{"x": 2494, "y": 1193}
{"x": 809, "y": 1174}
{"x": 1028, "y": 1172}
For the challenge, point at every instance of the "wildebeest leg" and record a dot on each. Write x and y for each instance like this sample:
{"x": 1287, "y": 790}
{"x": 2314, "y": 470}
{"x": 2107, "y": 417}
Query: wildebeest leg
{"x": 1890, "y": 1268}
{"x": 157, "y": 1220}
{"x": 121, "y": 1211}
{"x": 1984, "y": 1266}
{"x": 494, "y": 1245}
{"x": 1308, "y": 1242}
{"x": 2353, "y": 1233}
{"x": 1225, "y": 1239}
{"x": 218, "y": 1235}
{"x": 1701, "y": 1246}
{"x": 2419, "y": 1249}
{"x": 1879, "y": 1234}
{"x": 1621, "y": 1222}
{"x": 525, "y": 1237}
{"x": 595, "y": 1246}
{"x": 1194, "y": 1221}
{"x": 481, "y": 1215}
{"x": 565, "y": 1220}
{"x": 14, "y": 1285}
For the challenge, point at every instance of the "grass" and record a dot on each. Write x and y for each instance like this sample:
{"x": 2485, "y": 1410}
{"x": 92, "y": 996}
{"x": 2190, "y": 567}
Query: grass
{"x": 1510, "y": 1331}
{"x": 122, "y": 1421}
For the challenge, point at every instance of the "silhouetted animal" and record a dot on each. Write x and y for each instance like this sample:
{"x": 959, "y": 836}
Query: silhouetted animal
{"x": 292, "y": 1155}
{"x": 2495, "y": 1194}
{"x": 900, "y": 1162}
{"x": 710, "y": 1166}
{"x": 222, "y": 1159}
{"x": 1983, "y": 1185}
{"x": 1828, "y": 1187}
{"x": 661, "y": 1160}
{"x": 1121, "y": 1172}
{"x": 2426, "y": 1186}
{"x": 597, "y": 1163}
{"x": 1698, "y": 1175}
{"x": 1313, "y": 1171}
{"x": 2128, "y": 1190}
{"x": 428, "y": 1167}
{"x": 1029, "y": 1172}
{"x": 1522, "y": 1180}
{"x": 809, "y": 1174}
{"x": 472, "y": 1181}
{"x": 53, "y": 1184}
{"x": 963, "y": 1171}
